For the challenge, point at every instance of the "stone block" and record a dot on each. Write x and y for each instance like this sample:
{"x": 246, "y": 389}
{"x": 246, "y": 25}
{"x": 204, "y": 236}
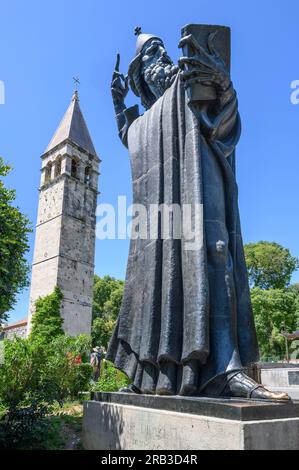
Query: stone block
{"x": 162, "y": 423}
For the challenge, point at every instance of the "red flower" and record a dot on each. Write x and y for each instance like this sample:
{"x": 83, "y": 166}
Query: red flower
{"x": 78, "y": 360}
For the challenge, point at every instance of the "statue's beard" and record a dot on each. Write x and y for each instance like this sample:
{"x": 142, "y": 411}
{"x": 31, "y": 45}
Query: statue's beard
{"x": 161, "y": 75}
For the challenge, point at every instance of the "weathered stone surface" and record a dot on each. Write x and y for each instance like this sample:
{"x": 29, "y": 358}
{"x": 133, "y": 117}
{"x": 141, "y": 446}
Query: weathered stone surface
{"x": 279, "y": 377}
{"x": 125, "y": 427}
{"x": 283, "y": 377}
{"x": 231, "y": 408}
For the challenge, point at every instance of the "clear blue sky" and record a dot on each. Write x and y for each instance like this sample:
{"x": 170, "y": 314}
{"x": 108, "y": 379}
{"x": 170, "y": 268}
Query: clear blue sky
{"x": 43, "y": 44}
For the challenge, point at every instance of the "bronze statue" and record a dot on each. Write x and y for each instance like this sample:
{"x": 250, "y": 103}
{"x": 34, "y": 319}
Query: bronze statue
{"x": 186, "y": 324}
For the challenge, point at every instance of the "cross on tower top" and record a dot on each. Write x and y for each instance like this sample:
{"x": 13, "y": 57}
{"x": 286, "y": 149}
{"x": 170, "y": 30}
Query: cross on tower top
{"x": 76, "y": 82}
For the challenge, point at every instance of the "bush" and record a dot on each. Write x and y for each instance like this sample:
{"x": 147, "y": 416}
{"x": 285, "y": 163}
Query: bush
{"x": 26, "y": 391}
{"x": 33, "y": 378}
{"x": 24, "y": 374}
{"x": 21, "y": 425}
{"x": 111, "y": 379}
{"x": 68, "y": 367}
{"x": 46, "y": 321}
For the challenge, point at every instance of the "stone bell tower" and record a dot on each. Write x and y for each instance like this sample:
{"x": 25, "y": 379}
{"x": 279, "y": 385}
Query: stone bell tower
{"x": 65, "y": 232}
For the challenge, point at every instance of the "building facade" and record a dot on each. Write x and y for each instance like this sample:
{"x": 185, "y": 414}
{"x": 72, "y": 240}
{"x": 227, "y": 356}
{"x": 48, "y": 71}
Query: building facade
{"x": 65, "y": 231}
{"x": 17, "y": 329}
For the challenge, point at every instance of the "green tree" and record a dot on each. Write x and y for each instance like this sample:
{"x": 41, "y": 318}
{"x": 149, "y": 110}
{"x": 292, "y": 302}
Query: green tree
{"x": 270, "y": 265}
{"x": 274, "y": 310}
{"x": 294, "y": 288}
{"x": 275, "y": 303}
{"x": 14, "y": 229}
{"x": 102, "y": 329}
{"x": 112, "y": 306}
{"x": 108, "y": 294}
{"x": 46, "y": 321}
{"x": 103, "y": 289}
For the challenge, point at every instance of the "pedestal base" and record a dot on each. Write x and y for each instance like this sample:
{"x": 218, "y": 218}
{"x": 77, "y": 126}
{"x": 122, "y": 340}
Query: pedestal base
{"x": 143, "y": 422}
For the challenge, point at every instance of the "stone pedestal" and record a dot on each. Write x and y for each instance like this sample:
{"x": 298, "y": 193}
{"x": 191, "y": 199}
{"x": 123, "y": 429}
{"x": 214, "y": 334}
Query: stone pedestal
{"x": 142, "y": 422}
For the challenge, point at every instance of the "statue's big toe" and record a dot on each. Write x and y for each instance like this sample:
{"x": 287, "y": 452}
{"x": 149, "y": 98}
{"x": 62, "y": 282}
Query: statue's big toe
{"x": 262, "y": 393}
{"x": 242, "y": 386}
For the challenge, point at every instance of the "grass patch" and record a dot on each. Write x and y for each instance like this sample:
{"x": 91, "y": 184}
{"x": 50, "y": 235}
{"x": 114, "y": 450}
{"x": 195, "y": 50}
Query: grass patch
{"x": 59, "y": 431}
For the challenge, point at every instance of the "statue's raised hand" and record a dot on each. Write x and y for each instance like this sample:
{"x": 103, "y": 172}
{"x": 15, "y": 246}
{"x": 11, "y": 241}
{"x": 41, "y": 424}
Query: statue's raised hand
{"x": 205, "y": 67}
{"x": 119, "y": 84}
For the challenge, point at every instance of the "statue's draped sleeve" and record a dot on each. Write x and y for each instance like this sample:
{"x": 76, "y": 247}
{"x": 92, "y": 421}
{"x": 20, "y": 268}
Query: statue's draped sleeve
{"x": 224, "y": 127}
{"x": 124, "y": 120}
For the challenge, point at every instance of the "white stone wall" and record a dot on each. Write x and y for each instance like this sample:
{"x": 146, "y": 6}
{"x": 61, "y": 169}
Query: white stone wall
{"x": 77, "y": 317}
{"x": 43, "y": 282}
{"x": 46, "y": 240}
{"x": 50, "y": 201}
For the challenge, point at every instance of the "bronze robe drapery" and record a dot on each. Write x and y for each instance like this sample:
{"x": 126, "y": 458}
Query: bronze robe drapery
{"x": 177, "y": 305}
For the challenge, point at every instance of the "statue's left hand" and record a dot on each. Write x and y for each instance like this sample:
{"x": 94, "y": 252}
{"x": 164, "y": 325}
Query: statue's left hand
{"x": 205, "y": 67}
{"x": 119, "y": 85}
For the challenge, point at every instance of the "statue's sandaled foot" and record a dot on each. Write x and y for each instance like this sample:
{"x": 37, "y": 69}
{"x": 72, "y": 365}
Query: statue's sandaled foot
{"x": 130, "y": 389}
{"x": 242, "y": 386}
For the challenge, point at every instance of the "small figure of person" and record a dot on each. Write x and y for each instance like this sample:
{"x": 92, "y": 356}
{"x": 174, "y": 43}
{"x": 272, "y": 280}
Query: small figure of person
{"x": 96, "y": 357}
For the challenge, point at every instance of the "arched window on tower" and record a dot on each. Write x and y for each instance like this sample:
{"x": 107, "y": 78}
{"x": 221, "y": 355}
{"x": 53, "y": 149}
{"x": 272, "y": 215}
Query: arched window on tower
{"x": 48, "y": 172}
{"x": 87, "y": 175}
{"x": 74, "y": 169}
{"x": 58, "y": 167}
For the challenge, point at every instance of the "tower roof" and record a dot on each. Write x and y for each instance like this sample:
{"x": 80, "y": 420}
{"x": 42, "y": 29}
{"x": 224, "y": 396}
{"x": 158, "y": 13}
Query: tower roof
{"x": 73, "y": 127}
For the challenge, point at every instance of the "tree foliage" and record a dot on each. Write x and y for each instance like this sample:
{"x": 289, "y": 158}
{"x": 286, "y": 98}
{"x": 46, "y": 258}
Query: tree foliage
{"x": 270, "y": 265}
{"x": 107, "y": 296}
{"x": 14, "y": 229}
{"x": 275, "y": 303}
{"x": 274, "y": 310}
{"x": 294, "y": 288}
{"x": 46, "y": 321}
{"x": 112, "y": 306}
{"x": 102, "y": 329}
